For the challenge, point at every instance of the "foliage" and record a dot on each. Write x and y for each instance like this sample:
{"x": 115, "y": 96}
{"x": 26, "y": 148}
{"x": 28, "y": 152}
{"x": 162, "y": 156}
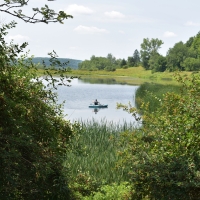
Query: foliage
{"x": 176, "y": 55}
{"x": 191, "y": 64}
{"x": 33, "y": 134}
{"x": 130, "y": 61}
{"x": 123, "y": 63}
{"x": 184, "y": 56}
{"x": 112, "y": 192}
{"x": 136, "y": 57}
{"x": 157, "y": 63}
{"x": 189, "y": 42}
{"x": 165, "y": 152}
{"x": 196, "y": 44}
{"x": 100, "y": 63}
{"x": 43, "y": 14}
{"x": 148, "y": 49}
{"x": 152, "y": 94}
{"x": 134, "y": 61}
{"x": 95, "y": 151}
{"x": 93, "y": 157}
{"x": 84, "y": 185}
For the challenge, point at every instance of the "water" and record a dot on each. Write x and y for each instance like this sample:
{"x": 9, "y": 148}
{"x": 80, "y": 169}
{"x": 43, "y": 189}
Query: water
{"x": 78, "y": 97}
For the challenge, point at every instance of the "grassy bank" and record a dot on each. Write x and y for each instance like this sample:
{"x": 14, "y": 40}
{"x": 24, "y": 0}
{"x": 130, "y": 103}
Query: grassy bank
{"x": 153, "y": 94}
{"x": 132, "y": 75}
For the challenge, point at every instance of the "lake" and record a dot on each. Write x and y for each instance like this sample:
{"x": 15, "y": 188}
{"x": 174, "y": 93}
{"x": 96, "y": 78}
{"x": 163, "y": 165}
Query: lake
{"x": 78, "y": 97}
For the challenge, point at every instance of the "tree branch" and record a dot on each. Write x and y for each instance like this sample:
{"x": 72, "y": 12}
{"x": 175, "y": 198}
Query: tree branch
{"x": 47, "y": 15}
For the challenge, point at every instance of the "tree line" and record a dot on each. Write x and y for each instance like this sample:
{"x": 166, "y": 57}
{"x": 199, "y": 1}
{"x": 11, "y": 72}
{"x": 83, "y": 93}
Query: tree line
{"x": 181, "y": 57}
{"x": 110, "y": 63}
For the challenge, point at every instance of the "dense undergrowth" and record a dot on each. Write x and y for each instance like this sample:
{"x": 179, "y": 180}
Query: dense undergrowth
{"x": 165, "y": 153}
{"x": 94, "y": 157}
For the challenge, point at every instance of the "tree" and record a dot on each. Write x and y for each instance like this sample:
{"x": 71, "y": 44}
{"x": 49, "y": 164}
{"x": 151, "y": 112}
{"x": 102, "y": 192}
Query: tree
{"x": 191, "y": 64}
{"x": 108, "y": 63}
{"x": 111, "y": 58}
{"x": 133, "y": 61}
{"x": 148, "y": 49}
{"x": 123, "y": 63}
{"x": 43, "y": 14}
{"x": 196, "y": 44}
{"x": 189, "y": 42}
{"x": 34, "y": 136}
{"x": 157, "y": 63}
{"x": 176, "y": 55}
{"x": 130, "y": 61}
{"x": 136, "y": 58}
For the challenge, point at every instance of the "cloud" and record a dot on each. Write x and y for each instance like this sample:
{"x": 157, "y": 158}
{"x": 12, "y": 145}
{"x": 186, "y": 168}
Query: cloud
{"x": 78, "y": 9}
{"x": 18, "y": 38}
{"x": 122, "y": 32}
{"x": 114, "y": 15}
{"x": 191, "y": 23}
{"x": 169, "y": 34}
{"x": 90, "y": 30}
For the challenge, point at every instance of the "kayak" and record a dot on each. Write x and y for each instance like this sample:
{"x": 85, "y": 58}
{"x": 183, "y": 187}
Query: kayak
{"x": 98, "y": 106}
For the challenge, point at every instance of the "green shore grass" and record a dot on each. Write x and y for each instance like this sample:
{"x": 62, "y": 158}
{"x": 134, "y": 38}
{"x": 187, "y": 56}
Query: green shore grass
{"x": 132, "y": 75}
{"x": 95, "y": 151}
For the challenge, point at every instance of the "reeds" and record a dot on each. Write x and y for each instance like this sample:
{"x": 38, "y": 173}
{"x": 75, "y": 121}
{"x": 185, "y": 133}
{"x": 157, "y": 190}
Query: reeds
{"x": 153, "y": 94}
{"x": 94, "y": 151}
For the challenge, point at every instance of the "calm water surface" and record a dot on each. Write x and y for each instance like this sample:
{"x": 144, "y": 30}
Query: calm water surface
{"x": 78, "y": 97}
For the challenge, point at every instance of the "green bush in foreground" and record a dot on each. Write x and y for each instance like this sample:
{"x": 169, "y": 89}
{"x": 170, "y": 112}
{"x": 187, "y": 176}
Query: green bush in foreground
{"x": 33, "y": 134}
{"x": 112, "y": 192}
{"x": 165, "y": 153}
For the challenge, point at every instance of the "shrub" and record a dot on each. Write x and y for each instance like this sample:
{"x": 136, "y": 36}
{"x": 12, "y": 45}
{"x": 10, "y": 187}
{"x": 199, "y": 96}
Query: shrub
{"x": 112, "y": 192}
{"x": 33, "y": 134}
{"x": 164, "y": 154}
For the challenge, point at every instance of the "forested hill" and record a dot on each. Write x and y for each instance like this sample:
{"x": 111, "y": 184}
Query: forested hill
{"x": 73, "y": 64}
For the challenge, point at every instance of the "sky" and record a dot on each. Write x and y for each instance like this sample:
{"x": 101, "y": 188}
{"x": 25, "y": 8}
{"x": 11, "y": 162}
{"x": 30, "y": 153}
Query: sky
{"x": 100, "y": 27}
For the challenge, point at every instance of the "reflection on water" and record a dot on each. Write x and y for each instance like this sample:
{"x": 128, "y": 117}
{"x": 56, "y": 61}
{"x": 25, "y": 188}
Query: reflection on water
{"x": 110, "y": 81}
{"x": 96, "y": 110}
{"x": 99, "y": 80}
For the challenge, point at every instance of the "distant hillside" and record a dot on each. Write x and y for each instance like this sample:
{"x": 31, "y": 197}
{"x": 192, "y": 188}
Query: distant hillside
{"x": 72, "y": 62}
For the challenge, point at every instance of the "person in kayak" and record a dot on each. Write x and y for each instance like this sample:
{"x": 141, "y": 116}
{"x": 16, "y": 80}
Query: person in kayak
{"x": 96, "y": 102}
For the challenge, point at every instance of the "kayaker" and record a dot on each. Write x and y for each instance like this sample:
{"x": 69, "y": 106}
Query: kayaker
{"x": 96, "y": 102}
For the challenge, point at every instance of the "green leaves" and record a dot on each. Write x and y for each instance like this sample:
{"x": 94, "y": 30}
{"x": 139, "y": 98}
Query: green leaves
{"x": 148, "y": 49}
{"x": 165, "y": 152}
{"x": 33, "y": 134}
{"x": 43, "y": 14}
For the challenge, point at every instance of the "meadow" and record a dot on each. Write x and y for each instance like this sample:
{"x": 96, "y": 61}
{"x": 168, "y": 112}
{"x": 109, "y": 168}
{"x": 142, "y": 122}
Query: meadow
{"x": 131, "y": 75}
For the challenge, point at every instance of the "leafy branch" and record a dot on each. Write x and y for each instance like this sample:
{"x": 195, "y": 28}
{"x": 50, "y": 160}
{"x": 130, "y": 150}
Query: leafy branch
{"x": 43, "y": 14}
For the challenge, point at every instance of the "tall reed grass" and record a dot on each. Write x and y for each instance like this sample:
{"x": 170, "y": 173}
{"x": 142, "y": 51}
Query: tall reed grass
{"x": 153, "y": 94}
{"x": 95, "y": 151}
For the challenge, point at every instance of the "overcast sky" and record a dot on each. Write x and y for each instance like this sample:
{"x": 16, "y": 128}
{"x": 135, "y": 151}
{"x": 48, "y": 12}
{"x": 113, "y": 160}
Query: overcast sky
{"x": 100, "y": 27}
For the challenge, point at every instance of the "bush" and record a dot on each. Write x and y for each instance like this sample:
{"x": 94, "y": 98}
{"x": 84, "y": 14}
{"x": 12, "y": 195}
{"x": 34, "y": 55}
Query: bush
{"x": 164, "y": 154}
{"x": 33, "y": 134}
{"x": 112, "y": 192}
